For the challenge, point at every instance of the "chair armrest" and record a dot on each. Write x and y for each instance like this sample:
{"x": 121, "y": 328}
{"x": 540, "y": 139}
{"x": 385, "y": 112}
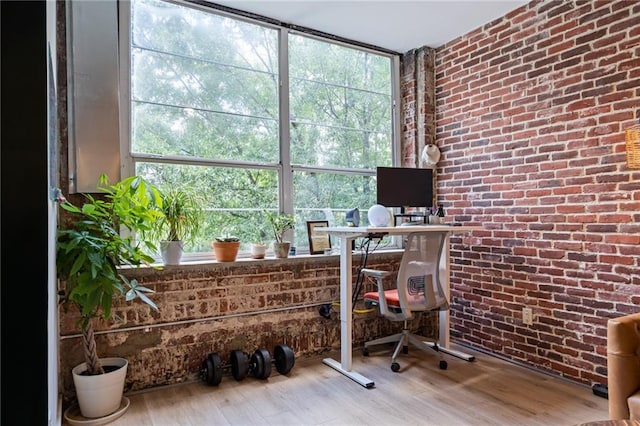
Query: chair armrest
{"x": 382, "y": 299}
{"x": 375, "y": 273}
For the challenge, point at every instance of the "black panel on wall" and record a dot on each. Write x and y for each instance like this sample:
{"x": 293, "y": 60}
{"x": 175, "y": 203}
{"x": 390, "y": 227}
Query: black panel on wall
{"x": 23, "y": 217}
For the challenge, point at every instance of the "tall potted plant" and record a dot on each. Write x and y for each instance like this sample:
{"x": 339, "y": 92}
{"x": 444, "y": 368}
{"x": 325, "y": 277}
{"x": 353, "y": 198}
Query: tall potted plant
{"x": 182, "y": 217}
{"x": 280, "y": 223}
{"x": 90, "y": 249}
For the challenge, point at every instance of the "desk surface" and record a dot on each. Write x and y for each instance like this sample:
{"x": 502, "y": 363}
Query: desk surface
{"x": 399, "y": 230}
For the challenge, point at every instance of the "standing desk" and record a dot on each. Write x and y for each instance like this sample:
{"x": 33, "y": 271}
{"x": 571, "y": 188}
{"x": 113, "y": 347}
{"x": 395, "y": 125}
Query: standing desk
{"x": 346, "y": 235}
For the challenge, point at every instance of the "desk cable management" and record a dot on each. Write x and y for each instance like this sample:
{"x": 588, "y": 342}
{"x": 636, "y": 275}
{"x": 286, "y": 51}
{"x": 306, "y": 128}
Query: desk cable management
{"x": 325, "y": 310}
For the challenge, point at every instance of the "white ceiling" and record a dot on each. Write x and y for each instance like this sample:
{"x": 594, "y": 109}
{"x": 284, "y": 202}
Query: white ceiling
{"x": 396, "y": 25}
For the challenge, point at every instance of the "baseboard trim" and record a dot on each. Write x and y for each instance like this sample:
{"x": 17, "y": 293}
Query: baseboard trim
{"x": 521, "y": 364}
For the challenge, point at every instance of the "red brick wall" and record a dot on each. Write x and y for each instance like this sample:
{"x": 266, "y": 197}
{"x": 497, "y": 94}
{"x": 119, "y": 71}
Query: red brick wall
{"x": 531, "y": 112}
{"x": 417, "y": 92}
{"x": 214, "y": 307}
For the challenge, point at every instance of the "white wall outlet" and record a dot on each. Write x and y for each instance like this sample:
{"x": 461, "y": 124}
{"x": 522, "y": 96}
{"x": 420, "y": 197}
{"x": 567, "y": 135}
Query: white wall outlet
{"x": 527, "y": 316}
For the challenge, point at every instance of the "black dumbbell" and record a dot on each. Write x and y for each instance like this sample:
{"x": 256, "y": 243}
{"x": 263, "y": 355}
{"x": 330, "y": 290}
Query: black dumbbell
{"x": 212, "y": 366}
{"x": 285, "y": 358}
{"x": 258, "y": 365}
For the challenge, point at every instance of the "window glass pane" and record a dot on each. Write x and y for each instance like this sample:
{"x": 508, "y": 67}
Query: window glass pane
{"x": 340, "y": 105}
{"x": 195, "y": 133}
{"x": 234, "y": 198}
{"x": 202, "y": 85}
{"x": 206, "y": 87}
{"x": 328, "y": 196}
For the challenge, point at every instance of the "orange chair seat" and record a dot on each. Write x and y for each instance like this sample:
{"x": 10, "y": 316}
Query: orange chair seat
{"x": 391, "y": 296}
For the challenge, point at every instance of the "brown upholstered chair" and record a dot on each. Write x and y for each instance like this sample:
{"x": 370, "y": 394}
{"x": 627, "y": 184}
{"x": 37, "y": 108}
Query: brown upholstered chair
{"x": 623, "y": 367}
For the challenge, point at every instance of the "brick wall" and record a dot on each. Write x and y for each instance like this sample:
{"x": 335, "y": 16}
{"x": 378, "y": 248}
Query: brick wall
{"x": 417, "y": 91}
{"x": 531, "y": 112}
{"x": 218, "y": 307}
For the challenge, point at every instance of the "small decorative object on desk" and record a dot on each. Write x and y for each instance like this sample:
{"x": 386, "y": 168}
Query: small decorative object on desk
{"x": 353, "y": 217}
{"x": 378, "y": 215}
{"x": 440, "y": 215}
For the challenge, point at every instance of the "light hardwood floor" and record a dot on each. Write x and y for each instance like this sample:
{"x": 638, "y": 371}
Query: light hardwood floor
{"x": 488, "y": 391}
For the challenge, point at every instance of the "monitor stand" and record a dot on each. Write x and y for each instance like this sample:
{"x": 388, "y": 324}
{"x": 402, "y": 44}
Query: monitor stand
{"x": 413, "y": 217}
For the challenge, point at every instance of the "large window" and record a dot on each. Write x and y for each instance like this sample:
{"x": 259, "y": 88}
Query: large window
{"x": 255, "y": 118}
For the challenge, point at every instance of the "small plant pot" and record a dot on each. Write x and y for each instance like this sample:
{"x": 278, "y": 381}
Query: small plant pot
{"x": 281, "y": 250}
{"x": 171, "y": 252}
{"x": 226, "y": 251}
{"x": 258, "y": 251}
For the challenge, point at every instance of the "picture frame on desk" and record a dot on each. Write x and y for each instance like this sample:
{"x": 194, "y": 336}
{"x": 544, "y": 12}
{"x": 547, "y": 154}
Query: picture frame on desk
{"x": 318, "y": 241}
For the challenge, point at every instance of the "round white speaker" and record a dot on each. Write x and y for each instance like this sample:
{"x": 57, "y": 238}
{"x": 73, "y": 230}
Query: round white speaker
{"x": 378, "y": 215}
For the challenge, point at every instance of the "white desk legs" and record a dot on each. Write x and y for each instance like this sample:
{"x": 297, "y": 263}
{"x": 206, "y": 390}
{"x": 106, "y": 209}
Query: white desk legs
{"x": 346, "y": 317}
{"x": 444, "y": 274}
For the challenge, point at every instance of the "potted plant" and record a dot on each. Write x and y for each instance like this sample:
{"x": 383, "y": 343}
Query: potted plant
{"x": 225, "y": 248}
{"x": 182, "y": 217}
{"x": 90, "y": 248}
{"x": 259, "y": 247}
{"x": 280, "y": 223}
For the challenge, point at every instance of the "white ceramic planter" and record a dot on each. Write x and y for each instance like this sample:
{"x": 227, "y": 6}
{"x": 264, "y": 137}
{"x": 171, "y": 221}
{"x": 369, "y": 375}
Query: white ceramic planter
{"x": 100, "y": 395}
{"x": 258, "y": 251}
{"x": 171, "y": 252}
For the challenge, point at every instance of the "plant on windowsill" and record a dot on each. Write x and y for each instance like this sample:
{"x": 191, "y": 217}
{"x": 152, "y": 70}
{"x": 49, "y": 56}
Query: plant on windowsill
{"x": 225, "y": 247}
{"x": 280, "y": 224}
{"x": 183, "y": 214}
{"x": 258, "y": 246}
{"x": 90, "y": 249}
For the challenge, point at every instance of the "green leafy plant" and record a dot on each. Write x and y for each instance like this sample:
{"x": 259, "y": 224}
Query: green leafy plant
{"x": 280, "y": 223}
{"x": 91, "y": 248}
{"x": 182, "y": 218}
{"x": 259, "y": 237}
{"x": 226, "y": 238}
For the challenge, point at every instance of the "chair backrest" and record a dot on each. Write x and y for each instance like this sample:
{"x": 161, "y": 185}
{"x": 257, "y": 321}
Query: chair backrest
{"x": 418, "y": 279}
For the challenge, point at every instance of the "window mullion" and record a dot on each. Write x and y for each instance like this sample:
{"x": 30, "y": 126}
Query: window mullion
{"x": 286, "y": 173}
{"x": 395, "y": 111}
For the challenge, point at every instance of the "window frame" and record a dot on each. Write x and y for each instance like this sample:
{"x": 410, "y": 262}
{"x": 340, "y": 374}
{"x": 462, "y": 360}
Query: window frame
{"x": 284, "y": 167}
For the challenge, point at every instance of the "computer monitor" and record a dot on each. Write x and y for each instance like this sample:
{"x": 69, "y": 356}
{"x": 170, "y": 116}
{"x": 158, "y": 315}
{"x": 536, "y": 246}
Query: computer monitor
{"x": 404, "y": 187}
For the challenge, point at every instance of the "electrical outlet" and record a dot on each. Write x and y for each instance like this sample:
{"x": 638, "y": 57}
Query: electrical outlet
{"x": 527, "y": 316}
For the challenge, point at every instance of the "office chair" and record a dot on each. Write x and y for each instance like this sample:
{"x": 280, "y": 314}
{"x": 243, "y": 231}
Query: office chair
{"x": 417, "y": 289}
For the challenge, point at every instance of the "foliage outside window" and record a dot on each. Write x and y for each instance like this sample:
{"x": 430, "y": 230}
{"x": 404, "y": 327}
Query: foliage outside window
{"x": 211, "y": 109}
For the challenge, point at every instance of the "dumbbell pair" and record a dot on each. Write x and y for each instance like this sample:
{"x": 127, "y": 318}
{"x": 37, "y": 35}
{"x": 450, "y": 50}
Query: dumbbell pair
{"x": 241, "y": 364}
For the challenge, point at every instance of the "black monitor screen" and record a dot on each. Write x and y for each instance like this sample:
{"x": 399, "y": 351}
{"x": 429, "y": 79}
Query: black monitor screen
{"x": 404, "y": 187}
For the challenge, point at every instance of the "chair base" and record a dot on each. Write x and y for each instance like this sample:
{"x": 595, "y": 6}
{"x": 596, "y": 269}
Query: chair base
{"x": 403, "y": 339}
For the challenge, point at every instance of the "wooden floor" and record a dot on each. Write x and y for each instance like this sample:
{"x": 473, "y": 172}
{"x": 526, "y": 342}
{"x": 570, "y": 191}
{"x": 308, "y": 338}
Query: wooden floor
{"x": 488, "y": 391}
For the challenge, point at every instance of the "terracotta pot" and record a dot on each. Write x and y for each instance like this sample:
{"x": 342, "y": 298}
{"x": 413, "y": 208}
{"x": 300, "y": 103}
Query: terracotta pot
{"x": 226, "y": 251}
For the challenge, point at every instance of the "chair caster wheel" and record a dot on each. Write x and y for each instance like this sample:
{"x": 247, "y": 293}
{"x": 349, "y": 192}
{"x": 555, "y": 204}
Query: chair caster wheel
{"x": 395, "y": 367}
{"x": 365, "y": 352}
{"x": 443, "y": 365}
